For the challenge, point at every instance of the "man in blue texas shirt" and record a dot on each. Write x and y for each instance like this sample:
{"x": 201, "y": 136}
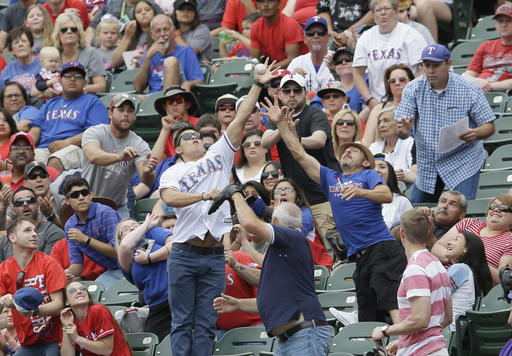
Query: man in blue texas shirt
{"x": 61, "y": 121}
{"x": 166, "y": 63}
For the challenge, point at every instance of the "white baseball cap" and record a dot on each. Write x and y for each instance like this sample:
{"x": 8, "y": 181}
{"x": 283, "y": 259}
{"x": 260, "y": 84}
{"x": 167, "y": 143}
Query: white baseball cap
{"x": 294, "y": 77}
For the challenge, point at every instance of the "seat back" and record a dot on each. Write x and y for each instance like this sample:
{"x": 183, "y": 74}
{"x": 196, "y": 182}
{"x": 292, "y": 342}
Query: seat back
{"x": 95, "y": 289}
{"x": 500, "y": 159}
{"x": 343, "y": 301}
{"x": 121, "y": 292}
{"x": 239, "y": 72}
{"x": 488, "y": 332}
{"x": 502, "y": 133}
{"x": 243, "y": 340}
{"x": 494, "y": 300}
{"x": 142, "y": 344}
{"x": 143, "y": 207}
{"x": 123, "y": 83}
{"x": 484, "y": 30}
{"x": 355, "y": 338}
{"x": 342, "y": 279}
{"x": 493, "y": 183}
{"x": 321, "y": 274}
{"x": 477, "y": 208}
{"x": 497, "y": 101}
{"x": 463, "y": 53}
{"x": 462, "y": 13}
{"x": 164, "y": 347}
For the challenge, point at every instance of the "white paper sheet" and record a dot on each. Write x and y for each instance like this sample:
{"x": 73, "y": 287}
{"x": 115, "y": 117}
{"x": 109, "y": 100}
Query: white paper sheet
{"x": 129, "y": 58}
{"x": 449, "y": 135}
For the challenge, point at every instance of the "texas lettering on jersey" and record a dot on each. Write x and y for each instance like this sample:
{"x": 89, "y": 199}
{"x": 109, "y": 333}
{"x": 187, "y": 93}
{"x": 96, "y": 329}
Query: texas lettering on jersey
{"x": 62, "y": 114}
{"x": 200, "y": 171}
{"x": 381, "y": 54}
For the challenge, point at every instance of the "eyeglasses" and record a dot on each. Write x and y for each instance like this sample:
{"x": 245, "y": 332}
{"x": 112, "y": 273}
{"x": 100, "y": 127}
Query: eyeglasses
{"x": 73, "y": 29}
{"x": 188, "y": 136}
{"x": 266, "y": 175}
{"x": 19, "y": 202}
{"x": 72, "y": 76}
{"x": 382, "y": 9}
{"x": 275, "y": 84}
{"x": 347, "y": 122}
{"x": 225, "y": 107}
{"x": 74, "y": 195}
{"x": 501, "y": 207}
{"x": 20, "y": 280}
{"x": 331, "y": 96}
{"x": 74, "y": 290}
{"x": 312, "y": 33}
{"x": 19, "y": 148}
{"x": 278, "y": 191}
{"x": 403, "y": 10}
{"x": 12, "y": 96}
{"x": 339, "y": 61}
{"x": 249, "y": 144}
{"x": 401, "y": 80}
{"x": 178, "y": 99}
{"x": 42, "y": 175}
{"x": 20, "y": 41}
{"x": 296, "y": 91}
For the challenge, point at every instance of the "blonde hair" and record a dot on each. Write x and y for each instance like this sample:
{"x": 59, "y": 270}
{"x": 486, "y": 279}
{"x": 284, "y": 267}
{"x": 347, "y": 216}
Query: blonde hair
{"x": 49, "y": 51}
{"x": 62, "y": 19}
{"x": 392, "y": 109}
{"x": 47, "y": 23}
{"x": 118, "y": 232}
{"x": 109, "y": 21}
{"x": 337, "y": 117}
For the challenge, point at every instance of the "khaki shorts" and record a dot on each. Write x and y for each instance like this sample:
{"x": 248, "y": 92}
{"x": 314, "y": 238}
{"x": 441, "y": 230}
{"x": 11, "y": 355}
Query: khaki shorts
{"x": 69, "y": 156}
{"x": 324, "y": 219}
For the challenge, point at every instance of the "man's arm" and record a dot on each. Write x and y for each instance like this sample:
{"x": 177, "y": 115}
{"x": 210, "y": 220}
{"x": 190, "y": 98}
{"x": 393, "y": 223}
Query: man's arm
{"x": 76, "y": 269}
{"x": 380, "y": 194}
{"x": 248, "y": 218}
{"x": 97, "y": 156}
{"x": 314, "y": 142}
{"x": 480, "y": 133}
{"x": 146, "y": 170}
{"x": 102, "y": 247}
{"x": 54, "y": 307}
{"x": 291, "y": 51}
{"x": 35, "y": 132}
{"x": 250, "y": 275}
{"x": 60, "y": 144}
{"x": 448, "y": 313}
{"x": 226, "y": 304}
{"x": 172, "y": 197}
{"x": 254, "y": 52}
{"x": 270, "y": 138}
{"x": 360, "y": 82}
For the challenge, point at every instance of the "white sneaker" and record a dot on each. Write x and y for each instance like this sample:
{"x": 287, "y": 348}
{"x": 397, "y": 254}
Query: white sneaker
{"x": 346, "y": 318}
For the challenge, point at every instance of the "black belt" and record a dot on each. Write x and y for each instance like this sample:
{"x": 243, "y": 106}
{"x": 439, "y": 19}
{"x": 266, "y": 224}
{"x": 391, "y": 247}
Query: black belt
{"x": 304, "y": 325}
{"x": 359, "y": 254}
{"x": 214, "y": 250}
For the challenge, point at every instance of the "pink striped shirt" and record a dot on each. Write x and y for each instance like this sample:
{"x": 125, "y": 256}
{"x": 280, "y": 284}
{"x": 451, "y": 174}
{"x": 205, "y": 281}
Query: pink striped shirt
{"x": 424, "y": 276}
{"x": 495, "y": 246}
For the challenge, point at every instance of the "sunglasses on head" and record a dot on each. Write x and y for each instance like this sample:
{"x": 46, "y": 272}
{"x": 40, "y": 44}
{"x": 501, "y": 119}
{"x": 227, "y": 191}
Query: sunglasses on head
{"x": 501, "y": 207}
{"x": 283, "y": 190}
{"x": 342, "y": 122}
{"x": 74, "y": 290}
{"x": 73, "y": 29}
{"x": 178, "y": 99}
{"x": 20, "y": 280}
{"x": 41, "y": 175}
{"x": 188, "y": 136}
{"x": 289, "y": 90}
{"x": 225, "y": 107}
{"x": 311, "y": 33}
{"x": 339, "y": 61}
{"x": 74, "y": 195}
{"x": 249, "y": 144}
{"x": 273, "y": 173}
{"x": 401, "y": 80}
{"x": 19, "y": 202}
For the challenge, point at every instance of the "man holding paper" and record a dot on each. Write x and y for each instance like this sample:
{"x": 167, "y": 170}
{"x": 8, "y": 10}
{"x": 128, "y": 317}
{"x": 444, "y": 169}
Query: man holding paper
{"x": 437, "y": 99}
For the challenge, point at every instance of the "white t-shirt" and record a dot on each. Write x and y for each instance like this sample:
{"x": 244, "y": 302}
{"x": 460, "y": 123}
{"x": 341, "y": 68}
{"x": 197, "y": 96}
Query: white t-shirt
{"x": 393, "y": 212}
{"x": 314, "y": 80}
{"x": 401, "y": 157}
{"x": 240, "y": 173}
{"x": 378, "y": 51}
{"x": 463, "y": 297}
{"x": 212, "y": 171}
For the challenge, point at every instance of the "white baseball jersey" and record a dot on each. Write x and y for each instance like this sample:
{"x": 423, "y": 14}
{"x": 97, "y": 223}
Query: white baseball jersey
{"x": 211, "y": 171}
{"x": 378, "y": 51}
{"x": 314, "y": 80}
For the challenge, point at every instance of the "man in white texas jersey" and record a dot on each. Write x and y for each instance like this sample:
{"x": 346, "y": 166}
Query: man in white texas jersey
{"x": 196, "y": 265}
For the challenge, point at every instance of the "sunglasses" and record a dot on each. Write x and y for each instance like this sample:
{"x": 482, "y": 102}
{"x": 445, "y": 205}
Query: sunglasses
{"x": 20, "y": 280}
{"x": 225, "y": 107}
{"x": 331, "y": 96}
{"x": 295, "y": 91}
{"x": 339, "y": 61}
{"x": 188, "y": 136}
{"x": 501, "y": 207}
{"x": 275, "y": 84}
{"x": 74, "y": 290}
{"x": 19, "y": 202}
{"x": 249, "y": 144}
{"x": 74, "y": 195}
{"x": 73, "y": 29}
{"x": 72, "y": 76}
{"x": 42, "y": 175}
{"x": 19, "y": 148}
{"x": 342, "y": 122}
{"x": 278, "y": 191}
{"x": 178, "y": 99}
{"x": 401, "y": 80}
{"x": 273, "y": 173}
{"x": 312, "y": 33}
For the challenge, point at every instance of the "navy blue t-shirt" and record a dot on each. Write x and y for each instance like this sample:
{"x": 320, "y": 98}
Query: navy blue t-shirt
{"x": 286, "y": 286}
{"x": 358, "y": 220}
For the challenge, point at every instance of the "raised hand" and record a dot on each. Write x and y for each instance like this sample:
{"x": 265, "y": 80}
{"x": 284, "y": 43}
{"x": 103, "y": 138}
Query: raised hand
{"x": 269, "y": 73}
{"x": 66, "y": 317}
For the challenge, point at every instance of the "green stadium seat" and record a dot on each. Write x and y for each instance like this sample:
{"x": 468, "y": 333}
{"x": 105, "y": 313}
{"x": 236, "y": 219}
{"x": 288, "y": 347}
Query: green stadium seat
{"x": 343, "y": 301}
{"x": 321, "y": 274}
{"x": 341, "y": 280}
{"x": 238, "y": 71}
{"x": 494, "y": 300}
{"x": 484, "y": 30}
{"x": 355, "y": 338}
{"x": 244, "y": 341}
{"x": 488, "y": 331}
{"x": 9, "y": 57}
{"x": 502, "y": 133}
{"x": 500, "y": 159}
{"x": 463, "y": 53}
{"x": 143, "y": 207}
{"x": 497, "y": 101}
{"x": 123, "y": 83}
{"x": 207, "y": 95}
{"x": 494, "y": 183}
{"x": 462, "y": 17}
{"x": 142, "y": 344}
{"x": 477, "y": 208}
{"x": 95, "y": 289}
{"x": 207, "y": 71}
{"x": 121, "y": 292}
{"x": 164, "y": 347}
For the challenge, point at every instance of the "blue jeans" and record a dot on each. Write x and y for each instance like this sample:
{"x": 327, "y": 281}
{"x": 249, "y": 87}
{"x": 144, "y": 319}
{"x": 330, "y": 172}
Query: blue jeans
{"x": 195, "y": 280}
{"x": 40, "y": 349}
{"x": 313, "y": 341}
{"x": 109, "y": 277}
{"x": 467, "y": 187}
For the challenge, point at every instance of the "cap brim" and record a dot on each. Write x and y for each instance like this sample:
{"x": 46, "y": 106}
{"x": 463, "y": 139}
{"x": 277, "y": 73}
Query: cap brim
{"x": 194, "y": 106}
{"x": 369, "y": 156}
{"x": 322, "y": 92}
{"x": 434, "y": 59}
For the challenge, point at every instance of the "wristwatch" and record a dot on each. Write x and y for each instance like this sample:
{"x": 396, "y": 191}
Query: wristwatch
{"x": 383, "y": 329}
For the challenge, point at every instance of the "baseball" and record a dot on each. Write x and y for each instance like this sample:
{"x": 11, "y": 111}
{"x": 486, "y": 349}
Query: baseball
{"x": 260, "y": 68}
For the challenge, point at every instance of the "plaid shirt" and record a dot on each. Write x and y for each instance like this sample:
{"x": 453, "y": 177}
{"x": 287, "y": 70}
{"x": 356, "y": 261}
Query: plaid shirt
{"x": 101, "y": 224}
{"x": 432, "y": 111}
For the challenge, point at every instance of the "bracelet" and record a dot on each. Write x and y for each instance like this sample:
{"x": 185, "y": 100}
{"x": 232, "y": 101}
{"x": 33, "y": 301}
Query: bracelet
{"x": 261, "y": 85}
{"x": 149, "y": 258}
{"x": 370, "y": 99}
{"x": 51, "y": 217}
{"x": 202, "y": 196}
{"x": 88, "y": 241}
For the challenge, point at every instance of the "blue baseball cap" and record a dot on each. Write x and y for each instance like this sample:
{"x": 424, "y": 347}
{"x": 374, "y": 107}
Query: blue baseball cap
{"x": 257, "y": 205}
{"x": 28, "y": 298}
{"x": 435, "y": 53}
{"x": 315, "y": 20}
{"x": 73, "y": 65}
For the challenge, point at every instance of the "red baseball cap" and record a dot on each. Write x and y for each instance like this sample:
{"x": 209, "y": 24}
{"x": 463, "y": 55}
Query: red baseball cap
{"x": 18, "y": 135}
{"x": 505, "y": 9}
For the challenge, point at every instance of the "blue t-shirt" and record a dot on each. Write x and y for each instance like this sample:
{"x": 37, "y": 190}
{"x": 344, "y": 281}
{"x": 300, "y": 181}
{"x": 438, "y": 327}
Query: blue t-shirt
{"x": 60, "y": 118}
{"x": 151, "y": 279}
{"x": 25, "y": 75}
{"x": 159, "y": 170}
{"x": 356, "y": 101}
{"x": 358, "y": 220}
{"x": 308, "y": 224}
{"x": 286, "y": 286}
{"x": 26, "y": 113}
{"x": 188, "y": 61}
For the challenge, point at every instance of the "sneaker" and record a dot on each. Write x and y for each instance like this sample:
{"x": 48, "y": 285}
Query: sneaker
{"x": 345, "y": 318}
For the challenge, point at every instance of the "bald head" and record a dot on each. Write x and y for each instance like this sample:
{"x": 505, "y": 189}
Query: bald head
{"x": 159, "y": 20}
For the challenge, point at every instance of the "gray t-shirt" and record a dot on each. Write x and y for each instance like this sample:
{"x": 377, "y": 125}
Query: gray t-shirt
{"x": 106, "y": 57}
{"x": 111, "y": 181}
{"x": 91, "y": 60}
{"x": 14, "y": 16}
{"x": 200, "y": 39}
{"x": 211, "y": 12}
{"x": 47, "y": 235}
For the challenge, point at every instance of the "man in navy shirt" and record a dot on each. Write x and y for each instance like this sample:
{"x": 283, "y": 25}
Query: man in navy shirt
{"x": 355, "y": 196}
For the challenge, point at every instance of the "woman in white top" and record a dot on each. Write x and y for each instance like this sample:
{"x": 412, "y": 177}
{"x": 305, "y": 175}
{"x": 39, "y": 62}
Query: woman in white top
{"x": 251, "y": 158}
{"x": 396, "y": 150}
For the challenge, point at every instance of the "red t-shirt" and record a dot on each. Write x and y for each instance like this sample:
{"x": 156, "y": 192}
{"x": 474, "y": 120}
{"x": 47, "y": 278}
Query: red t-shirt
{"x": 6, "y": 178}
{"x": 60, "y": 252}
{"x": 237, "y": 287}
{"x": 304, "y": 9}
{"x": 4, "y": 150}
{"x": 271, "y": 40}
{"x": 235, "y": 12}
{"x": 3, "y": 63}
{"x": 47, "y": 276}
{"x": 97, "y": 324}
{"x": 492, "y": 61}
{"x": 75, "y": 4}
{"x": 169, "y": 144}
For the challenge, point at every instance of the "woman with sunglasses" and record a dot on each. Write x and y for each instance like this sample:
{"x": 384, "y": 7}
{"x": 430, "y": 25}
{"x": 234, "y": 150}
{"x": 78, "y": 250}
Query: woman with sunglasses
{"x": 395, "y": 79}
{"x": 270, "y": 175}
{"x": 494, "y": 232}
{"x": 252, "y": 157}
{"x": 69, "y": 38}
{"x": 345, "y": 127}
{"x": 88, "y": 328}
{"x": 142, "y": 251}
